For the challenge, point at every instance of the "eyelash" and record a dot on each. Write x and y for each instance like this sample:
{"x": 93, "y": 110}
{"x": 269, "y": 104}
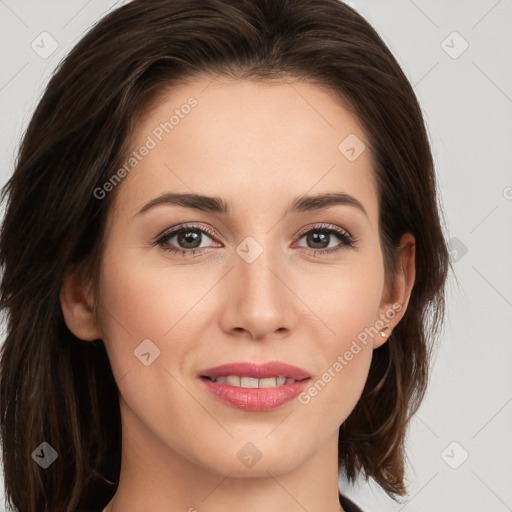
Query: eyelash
{"x": 347, "y": 239}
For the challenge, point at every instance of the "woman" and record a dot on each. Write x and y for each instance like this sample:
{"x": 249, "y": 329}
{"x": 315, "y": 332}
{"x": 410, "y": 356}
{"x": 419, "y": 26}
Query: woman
{"x": 223, "y": 264}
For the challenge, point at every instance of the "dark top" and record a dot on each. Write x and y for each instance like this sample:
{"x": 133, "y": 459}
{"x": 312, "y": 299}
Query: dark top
{"x": 348, "y": 506}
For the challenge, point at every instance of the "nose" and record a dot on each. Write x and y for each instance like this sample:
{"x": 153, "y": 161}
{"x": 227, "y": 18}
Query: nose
{"x": 258, "y": 303}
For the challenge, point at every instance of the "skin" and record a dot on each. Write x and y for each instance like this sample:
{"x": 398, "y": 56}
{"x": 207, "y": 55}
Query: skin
{"x": 258, "y": 146}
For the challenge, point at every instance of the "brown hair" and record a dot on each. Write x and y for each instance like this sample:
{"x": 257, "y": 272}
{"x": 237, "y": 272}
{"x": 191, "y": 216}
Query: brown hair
{"x": 59, "y": 389}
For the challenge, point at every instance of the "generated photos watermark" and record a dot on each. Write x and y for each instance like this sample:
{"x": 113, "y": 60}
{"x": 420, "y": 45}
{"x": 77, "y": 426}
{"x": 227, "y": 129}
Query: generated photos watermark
{"x": 151, "y": 143}
{"x": 343, "y": 360}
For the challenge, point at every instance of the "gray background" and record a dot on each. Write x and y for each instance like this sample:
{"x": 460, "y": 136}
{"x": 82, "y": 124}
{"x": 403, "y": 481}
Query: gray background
{"x": 459, "y": 445}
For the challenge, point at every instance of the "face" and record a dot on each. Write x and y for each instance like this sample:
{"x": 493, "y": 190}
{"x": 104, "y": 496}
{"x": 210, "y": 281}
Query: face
{"x": 260, "y": 282}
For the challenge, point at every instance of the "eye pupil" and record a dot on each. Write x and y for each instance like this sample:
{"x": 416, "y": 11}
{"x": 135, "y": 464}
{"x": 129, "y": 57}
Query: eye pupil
{"x": 189, "y": 237}
{"x": 321, "y": 238}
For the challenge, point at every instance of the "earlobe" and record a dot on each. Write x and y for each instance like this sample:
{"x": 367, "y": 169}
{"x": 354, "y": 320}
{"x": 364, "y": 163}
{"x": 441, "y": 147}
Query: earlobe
{"x": 396, "y": 299}
{"x": 77, "y": 305}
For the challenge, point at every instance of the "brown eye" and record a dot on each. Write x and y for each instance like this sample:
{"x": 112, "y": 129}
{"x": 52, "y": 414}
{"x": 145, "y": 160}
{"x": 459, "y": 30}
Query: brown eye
{"x": 187, "y": 241}
{"x": 323, "y": 239}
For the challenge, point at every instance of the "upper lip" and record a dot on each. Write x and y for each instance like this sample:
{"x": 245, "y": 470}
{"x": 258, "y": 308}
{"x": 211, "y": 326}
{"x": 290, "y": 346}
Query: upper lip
{"x": 257, "y": 371}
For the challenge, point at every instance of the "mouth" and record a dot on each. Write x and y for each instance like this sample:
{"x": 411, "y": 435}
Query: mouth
{"x": 252, "y": 375}
{"x": 254, "y": 387}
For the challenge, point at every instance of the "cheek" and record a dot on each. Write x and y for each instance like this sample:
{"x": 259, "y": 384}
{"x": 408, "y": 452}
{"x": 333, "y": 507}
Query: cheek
{"x": 346, "y": 300}
{"x": 145, "y": 299}
{"x": 335, "y": 390}
{"x": 142, "y": 301}
{"x": 348, "y": 307}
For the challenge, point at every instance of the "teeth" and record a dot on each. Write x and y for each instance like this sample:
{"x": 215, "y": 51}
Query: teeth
{"x": 271, "y": 382}
{"x": 233, "y": 380}
{"x": 250, "y": 382}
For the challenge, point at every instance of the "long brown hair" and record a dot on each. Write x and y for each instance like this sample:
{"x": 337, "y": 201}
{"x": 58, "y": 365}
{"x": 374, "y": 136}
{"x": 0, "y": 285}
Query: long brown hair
{"x": 57, "y": 389}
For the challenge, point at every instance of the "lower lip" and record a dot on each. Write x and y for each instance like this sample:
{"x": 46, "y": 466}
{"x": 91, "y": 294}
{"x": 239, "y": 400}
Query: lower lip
{"x": 255, "y": 399}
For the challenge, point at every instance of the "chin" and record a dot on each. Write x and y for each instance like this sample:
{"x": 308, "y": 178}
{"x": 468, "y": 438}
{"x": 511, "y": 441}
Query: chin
{"x": 246, "y": 459}
{"x": 276, "y": 465}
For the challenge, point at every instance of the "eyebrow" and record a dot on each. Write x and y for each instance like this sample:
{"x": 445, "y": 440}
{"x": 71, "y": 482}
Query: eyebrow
{"x": 215, "y": 204}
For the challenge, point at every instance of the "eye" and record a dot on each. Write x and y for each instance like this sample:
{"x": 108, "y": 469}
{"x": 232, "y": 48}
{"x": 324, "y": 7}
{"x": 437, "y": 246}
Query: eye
{"x": 321, "y": 237}
{"x": 187, "y": 237}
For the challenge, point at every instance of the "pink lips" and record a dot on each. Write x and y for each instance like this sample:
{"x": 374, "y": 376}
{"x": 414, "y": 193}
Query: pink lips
{"x": 257, "y": 371}
{"x": 255, "y": 399}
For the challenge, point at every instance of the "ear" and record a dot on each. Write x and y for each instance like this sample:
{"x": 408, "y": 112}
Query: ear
{"x": 76, "y": 300}
{"x": 396, "y": 295}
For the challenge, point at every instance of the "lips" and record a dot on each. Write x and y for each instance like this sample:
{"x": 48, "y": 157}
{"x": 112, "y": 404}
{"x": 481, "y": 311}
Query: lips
{"x": 234, "y": 384}
{"x": 256, "y": 371}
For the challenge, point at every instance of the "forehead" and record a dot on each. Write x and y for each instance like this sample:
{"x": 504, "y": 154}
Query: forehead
{"x": 252, "y": 143}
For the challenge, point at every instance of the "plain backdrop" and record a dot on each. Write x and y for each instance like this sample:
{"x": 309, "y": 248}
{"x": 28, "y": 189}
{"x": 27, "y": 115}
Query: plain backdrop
{"x": 457, "y": 54}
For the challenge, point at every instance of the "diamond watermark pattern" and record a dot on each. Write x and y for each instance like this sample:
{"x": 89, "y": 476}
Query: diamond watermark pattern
{"x": 45, "y": 455}
{"x": 457, "y": 249}
{"x": 44, "y": 45}
{"x": 249, "y": 455}
{"x": 249, "y": 249}
{"x": 454, "y": 455}
{"x": 352, "y": 147}
{"x": 455, "y": 45}
{"x": 146, "y": 352}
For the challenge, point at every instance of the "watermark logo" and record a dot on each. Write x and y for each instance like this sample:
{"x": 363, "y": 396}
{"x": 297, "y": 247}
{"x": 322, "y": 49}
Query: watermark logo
{"x": 454, "y": 455}
{"x": 249, "y": 249}
{"x": 157, "y": 135}
{"x": 454, "y": 45}
{"x": 343, "y": 360}
{"x": 146, "y": 352}
{"x": 352, "y": 147}
{"x": 249, "y": 455}
{"x": 45, "y": 455}
{"x": 44, "y": 45}
{"x": 457, "y": 249}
